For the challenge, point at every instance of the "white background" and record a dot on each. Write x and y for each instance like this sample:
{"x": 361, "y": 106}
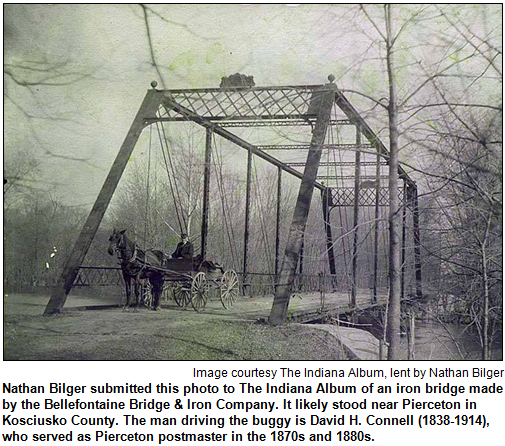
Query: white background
{"x": 181, "y": 373}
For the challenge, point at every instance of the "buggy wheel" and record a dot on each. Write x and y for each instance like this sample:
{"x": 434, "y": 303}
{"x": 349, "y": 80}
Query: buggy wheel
{"x": 199, "y": 290}
{"x": 228, "y": 291}
{"x": 168, "y": 292}
{"x": 182, "y": 296}
{"x": 146, "y": 296}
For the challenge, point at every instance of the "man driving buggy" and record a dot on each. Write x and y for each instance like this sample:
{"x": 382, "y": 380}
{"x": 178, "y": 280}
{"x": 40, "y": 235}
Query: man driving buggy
{"x": 184, "y": 248}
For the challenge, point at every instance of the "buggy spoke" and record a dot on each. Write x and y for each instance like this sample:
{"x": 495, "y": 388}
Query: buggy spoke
{"x": 199, "y": 290}
{"x": 228, "y": 291}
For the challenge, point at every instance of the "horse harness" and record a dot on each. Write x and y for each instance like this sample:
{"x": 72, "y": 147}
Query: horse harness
{"x": 121, "y": 246}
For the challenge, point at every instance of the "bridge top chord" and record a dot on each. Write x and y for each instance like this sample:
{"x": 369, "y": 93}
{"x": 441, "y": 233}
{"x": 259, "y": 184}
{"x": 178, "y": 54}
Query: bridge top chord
{"x": 247, "y": 103}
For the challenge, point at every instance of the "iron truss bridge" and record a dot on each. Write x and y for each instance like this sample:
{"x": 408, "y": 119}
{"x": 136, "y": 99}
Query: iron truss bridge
{"x": 219, "y": 110}
{"x": 246, "y": 103}
{"x": 344, "y": 196}
{"x": 99, "y": 276}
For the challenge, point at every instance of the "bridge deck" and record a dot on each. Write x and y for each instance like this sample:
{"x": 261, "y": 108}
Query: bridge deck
{"x": 303, "y": 307}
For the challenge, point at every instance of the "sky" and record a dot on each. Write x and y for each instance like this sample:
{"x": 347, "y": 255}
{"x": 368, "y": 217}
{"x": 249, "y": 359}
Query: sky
{"x": 102, "y": 58}
{"x": 107, "y": 46}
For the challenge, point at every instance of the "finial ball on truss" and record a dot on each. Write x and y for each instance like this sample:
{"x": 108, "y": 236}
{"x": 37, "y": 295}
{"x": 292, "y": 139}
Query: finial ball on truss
{"x": 154, "y": 84}
{"x": 331, "y": 78}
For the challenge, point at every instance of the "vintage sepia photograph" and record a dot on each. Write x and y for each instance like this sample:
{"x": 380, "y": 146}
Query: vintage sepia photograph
{"x": 253, "y": 182}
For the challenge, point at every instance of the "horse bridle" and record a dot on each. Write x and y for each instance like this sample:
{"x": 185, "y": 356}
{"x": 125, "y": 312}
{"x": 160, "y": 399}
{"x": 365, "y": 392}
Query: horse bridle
{"x": 121, "y": 245}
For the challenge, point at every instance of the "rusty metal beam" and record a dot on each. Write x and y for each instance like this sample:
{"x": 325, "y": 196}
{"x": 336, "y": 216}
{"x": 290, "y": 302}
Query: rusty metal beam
{"x": 218, "y": 130}
{"x": 337, "y": 163}
{"x": 351, "y": 177}
{"x": 329, "y": 237}
{"x": 369, "y": 134}
{"x": 417, "y": 247}
{"x": 281, "y": 123}
{"x": 404, "y": 238}
{"x": 300, "y": 259}
{"x": 247, "y": 211}
{"x": 206, "y": 191}
{"x": 354, "y": 263}
{"x": 283, "y": 292}
{"x": 278, "y": 220}
{"x": 263, "y": 122}
{"x": 307, "y": 146}
{"x": 376, "y": 235}
{"x": 60, "y": 292}
{"x": 246, "y": 89}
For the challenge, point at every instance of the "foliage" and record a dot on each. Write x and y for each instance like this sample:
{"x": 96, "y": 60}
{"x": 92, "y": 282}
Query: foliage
{"x": 39, "y": 232}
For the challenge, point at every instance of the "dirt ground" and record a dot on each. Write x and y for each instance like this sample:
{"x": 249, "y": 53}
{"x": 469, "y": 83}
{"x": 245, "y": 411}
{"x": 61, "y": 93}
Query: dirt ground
{"x": 170, "y": 334}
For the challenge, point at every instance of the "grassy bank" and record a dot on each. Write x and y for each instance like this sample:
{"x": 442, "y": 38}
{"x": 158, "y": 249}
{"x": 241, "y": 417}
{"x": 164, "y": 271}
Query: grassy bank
{"x": 171, "y": 334}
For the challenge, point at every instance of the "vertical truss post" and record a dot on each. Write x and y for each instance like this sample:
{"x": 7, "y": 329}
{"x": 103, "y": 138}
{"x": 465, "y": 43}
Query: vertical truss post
{"x": 300, "y": 261}
{"x": 404, "y": 237}
{"x": 417, "y": 246}
{"x": 247, "y": 212}
{"x": 376, "y": 230}
{"x": 325, "y": 197}
{"x": 206, "y": 191}
{"x": 70, "y": 270}
{"x": 278, "y": 222}
{"x": 325, "y": 99}
{"x": 357, "y": 173}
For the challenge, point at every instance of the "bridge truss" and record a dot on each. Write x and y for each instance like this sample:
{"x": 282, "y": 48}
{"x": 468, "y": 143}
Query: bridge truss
{"x": 315, "y": 111}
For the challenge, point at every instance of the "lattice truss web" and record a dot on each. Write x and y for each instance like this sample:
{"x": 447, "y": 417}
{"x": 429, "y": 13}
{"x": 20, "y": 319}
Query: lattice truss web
{"x": 279, "y": 121}
{"x": 248, "y": 103}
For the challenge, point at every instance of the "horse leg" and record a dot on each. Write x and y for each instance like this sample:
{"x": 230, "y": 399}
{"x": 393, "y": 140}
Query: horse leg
{"x": 128, "y": 290}
{"x": 157, "y": 287}
{"x": 136, "y": 286}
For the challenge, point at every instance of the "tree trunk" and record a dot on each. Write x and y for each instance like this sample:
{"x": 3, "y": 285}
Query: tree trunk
{"x": 393, "y": 322}
{"x": 485, "y": 285}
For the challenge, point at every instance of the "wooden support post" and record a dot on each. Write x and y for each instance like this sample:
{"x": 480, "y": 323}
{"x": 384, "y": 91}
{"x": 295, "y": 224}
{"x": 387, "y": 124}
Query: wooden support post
{"x": 206, "y": 191}
{"x": 417, "y": 246}
{"x": 247, "y": 211}
{"x": 376, "y": 230}
{"x": 357, "y": 173}
{"x": 278, "y": 222}
{"x": 325, "y": 197}
{"x": 280, "y": 305}
{"x": 65, "y": 282}
{"x": 404, "y": 237}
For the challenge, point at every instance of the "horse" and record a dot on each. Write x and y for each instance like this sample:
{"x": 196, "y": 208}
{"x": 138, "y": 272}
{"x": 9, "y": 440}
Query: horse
{"x": 137, "y": 265}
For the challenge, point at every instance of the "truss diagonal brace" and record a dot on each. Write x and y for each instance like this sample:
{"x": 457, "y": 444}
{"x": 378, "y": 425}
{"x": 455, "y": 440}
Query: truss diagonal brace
{"x": 292, "y": 252}
{"x": 373, "y": 139}
{"x": 59, "y": 294}
{"x": 170, "y": 104}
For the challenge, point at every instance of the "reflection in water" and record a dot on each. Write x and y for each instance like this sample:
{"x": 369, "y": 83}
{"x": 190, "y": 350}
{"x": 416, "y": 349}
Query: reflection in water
{"x": 445, "y": 341}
